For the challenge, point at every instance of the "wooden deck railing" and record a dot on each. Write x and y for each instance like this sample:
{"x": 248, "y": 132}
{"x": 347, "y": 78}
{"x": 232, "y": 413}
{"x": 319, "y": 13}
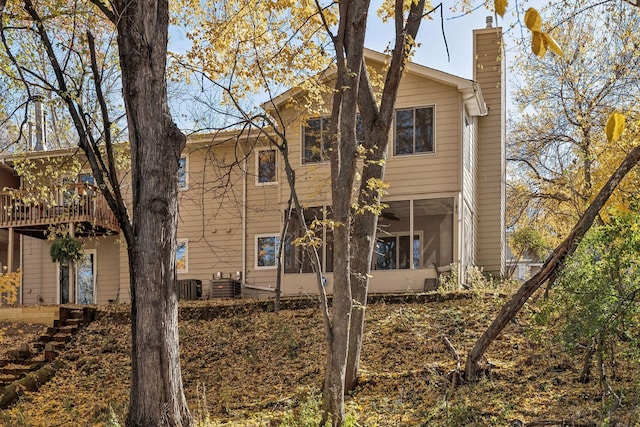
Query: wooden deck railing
{"x": 56, "y": 205}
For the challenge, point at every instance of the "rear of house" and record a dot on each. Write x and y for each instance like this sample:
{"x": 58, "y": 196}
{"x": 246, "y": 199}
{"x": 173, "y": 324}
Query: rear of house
{"x": 445, "y": 200}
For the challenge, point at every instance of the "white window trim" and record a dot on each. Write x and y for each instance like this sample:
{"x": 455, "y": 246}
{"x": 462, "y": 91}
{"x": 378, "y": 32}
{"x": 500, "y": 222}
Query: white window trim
{"x": 186, "y": 256}
{"x": 186, "y": 173}
{"x": 393, "y": 141}
{"x": 262, "y": 236}
{"x": 258, "y": 183}
{"x": 303, "y": 125}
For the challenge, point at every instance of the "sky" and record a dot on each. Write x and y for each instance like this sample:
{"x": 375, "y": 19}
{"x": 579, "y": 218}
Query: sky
{"x": 458, "y": 30}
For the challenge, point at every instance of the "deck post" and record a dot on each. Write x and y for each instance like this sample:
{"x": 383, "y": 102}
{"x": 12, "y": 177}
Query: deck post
{"x": 72, "y": 269}
{"x": 10, "y": 246}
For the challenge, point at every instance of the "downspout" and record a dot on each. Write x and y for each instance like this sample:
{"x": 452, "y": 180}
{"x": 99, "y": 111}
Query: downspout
{"x": 459, "y": 209}
{"x": 244, "y": 221}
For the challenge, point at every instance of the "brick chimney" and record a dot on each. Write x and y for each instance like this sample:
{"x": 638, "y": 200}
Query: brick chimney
{"x": 489, "y": 73}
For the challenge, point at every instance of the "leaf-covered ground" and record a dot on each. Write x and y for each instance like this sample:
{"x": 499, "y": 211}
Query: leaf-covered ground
{"x": 265, "y": 369}
{"x": 12, "y": 334}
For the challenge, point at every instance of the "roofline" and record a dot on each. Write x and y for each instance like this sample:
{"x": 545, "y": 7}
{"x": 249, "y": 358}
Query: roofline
{"x": 471, "y": 93}
{"x": 38, "y": 154}
{"x": 194, "y": 140}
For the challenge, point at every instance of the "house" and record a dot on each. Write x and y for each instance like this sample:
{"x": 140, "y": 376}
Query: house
{"x": 446, "y": 200}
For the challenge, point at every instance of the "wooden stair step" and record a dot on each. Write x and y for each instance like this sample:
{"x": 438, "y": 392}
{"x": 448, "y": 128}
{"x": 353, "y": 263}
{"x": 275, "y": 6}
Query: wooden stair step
{"x": 65, "y": 338}
{"x": 57, "y": 346}
{"x": 68, "y": 329}
{"x": 76, "y": 315}
{"x": 19, "y": 370}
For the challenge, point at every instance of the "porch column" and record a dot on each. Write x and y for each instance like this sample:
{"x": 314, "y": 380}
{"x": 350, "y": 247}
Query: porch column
{"x": 10, "y": 249}
{"x": 72, "y": 269}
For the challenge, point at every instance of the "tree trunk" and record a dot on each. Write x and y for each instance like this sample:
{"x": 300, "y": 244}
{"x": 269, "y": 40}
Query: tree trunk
{"x": 349, "y": 44}
{"x": 157, "y": 397}
{"x": 363, "y": 239}
{"x": 31, "y": 382}
{"x": 550, "y": 266}
{"x": 376, "y": 122}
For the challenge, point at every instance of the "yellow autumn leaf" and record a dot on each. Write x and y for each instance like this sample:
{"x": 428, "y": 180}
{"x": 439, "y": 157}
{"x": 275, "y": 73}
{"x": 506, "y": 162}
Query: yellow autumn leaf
{"x": 532, "y": 19}
{"x": 615, "y": 126}
{"x": 501, "y": 6}
{"x": 550, "y": 43}
{"x": 538, "y": 45}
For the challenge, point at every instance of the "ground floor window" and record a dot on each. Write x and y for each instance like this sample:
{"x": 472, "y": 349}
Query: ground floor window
{"x": 298, "y": 258}
{"x": 182, "y": 256}
{"x": 412, "y": 234}
{"x": 267, "y": 247}
{"x": 429, "y": 221}
{"x": 399, "y": 251}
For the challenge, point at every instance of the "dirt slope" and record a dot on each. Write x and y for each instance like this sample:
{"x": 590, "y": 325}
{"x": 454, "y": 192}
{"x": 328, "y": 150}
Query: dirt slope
{"x": 265, "y": 369}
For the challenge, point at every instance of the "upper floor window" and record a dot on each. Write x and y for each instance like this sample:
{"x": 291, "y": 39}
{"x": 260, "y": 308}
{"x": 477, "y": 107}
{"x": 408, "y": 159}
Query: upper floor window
{"x": 414, "y": 131}
{"x": 86, "y": 178}
{"x": 183, "y": 177}
{"x": 267, "y": 167}
{"x": 316, "y": 141}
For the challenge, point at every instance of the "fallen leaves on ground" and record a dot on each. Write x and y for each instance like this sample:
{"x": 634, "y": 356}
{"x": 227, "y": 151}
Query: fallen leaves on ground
{"x": 259, "y": 368}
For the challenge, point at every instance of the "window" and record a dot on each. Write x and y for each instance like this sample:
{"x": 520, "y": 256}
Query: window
{"x": 396, "y": 252}
{"x": 414, "y": 131}
{"x": 429, "y": 221}
{"x": 266, "y": 250}
{"x": 182, "y": 256}
{"x": 266, "y": 164}
{"x": 316, "y": 141}
{"x": 183, "y": 177}
{"x": 434, "y": 219}
{"x": 297, "y": 258}
{"x": 86, "y": 178}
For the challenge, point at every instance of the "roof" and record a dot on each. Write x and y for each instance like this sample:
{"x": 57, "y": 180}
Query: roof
{"x": 470, "y": 90}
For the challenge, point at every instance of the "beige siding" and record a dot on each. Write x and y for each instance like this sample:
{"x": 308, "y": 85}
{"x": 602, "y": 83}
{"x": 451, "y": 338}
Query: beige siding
{"x": 210, "y": 213}
{"x": 488, "y": 50}
{"x": 39, "y": 275}
{"x": 428, "y": 173}
{"x": 107, "y": 268}
{"x": 125, "y": 288}
{"x": 264, "y": 207}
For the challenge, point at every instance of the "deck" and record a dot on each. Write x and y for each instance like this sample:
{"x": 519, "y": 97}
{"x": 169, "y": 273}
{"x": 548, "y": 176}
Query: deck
{"x": 33, "y": 212}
